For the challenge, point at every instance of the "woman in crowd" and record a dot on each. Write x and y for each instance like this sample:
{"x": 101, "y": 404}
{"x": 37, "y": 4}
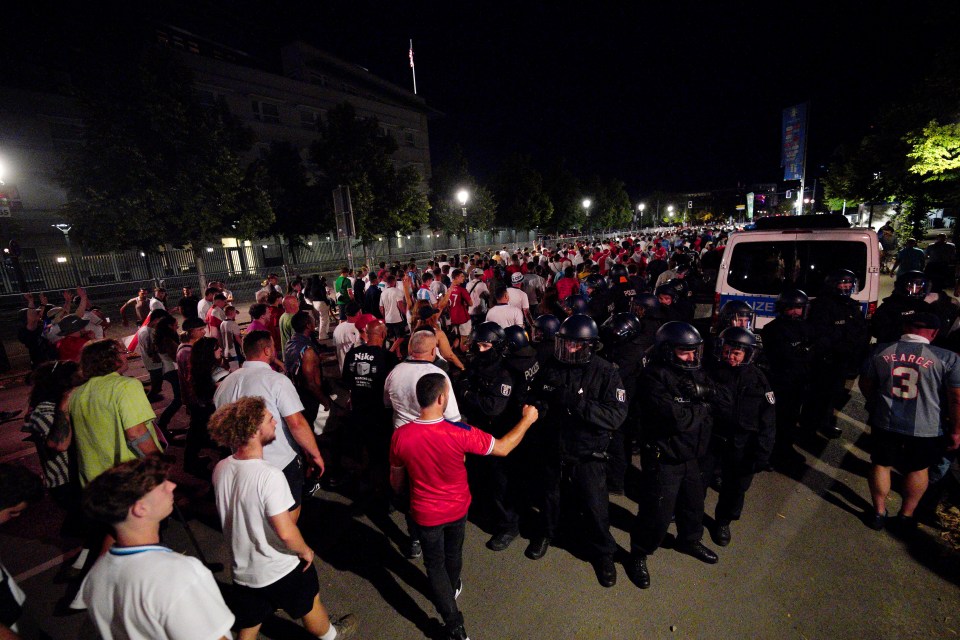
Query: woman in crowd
{"x": 164, "y": 343}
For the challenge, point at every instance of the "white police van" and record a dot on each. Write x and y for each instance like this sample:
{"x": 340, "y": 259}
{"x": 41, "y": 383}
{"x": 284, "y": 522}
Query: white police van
{"x": 796, "y": 252}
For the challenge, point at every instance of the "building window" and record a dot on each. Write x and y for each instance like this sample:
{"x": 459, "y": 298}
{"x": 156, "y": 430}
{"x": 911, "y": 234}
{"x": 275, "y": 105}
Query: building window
{"x": 309, "y": 119}
{"x": 408, "y": 138}
{"x": 265, "y": 111}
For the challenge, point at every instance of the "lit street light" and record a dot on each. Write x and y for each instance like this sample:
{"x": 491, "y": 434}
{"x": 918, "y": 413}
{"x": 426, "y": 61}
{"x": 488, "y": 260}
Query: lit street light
{"x": 640, "y": 208}
{"x": 586, "y": 205}
{"x": 670, "y": 210}
{"x": 462, "y": 196}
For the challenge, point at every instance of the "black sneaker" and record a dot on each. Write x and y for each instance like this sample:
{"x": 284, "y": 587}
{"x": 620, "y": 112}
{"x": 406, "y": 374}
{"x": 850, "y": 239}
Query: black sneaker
{"x": 414, "y": 550}
{"x": 502, "y": 540}
{"x": 875, "y": 521}
{"x": 721, "y": 534}
{"x": 457, "y": 633}
{"x": 537, "y": 548}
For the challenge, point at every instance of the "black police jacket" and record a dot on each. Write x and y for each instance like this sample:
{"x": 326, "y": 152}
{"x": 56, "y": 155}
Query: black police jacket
{"x": 839, "y": 321}
{"x": 584, "y": 405}
{"x": 887, "y": 322}
{"x": 544, "y": 351}
{"x": 600, "y": 306}
{"x": 483, "y": 393}
{"x": 628, "y": 356}
{"x": 622, "y": 294}
{"x": 523, "y": 368}
{"x": 676, "y": 425}
{"x": 789, "y": 348}
{"x": 748, "y": 422}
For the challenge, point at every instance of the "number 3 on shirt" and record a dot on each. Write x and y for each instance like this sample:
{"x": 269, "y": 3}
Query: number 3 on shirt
{"x": 905, "y": 385}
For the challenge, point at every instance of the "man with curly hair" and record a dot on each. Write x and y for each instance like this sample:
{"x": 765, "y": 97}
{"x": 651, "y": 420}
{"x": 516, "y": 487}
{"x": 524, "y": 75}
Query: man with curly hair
{"x": 128, "y": 591}
{"x": 272, "y": 564}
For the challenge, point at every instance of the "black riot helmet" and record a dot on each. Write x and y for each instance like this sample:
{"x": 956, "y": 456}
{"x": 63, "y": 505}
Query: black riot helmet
{"x": 736, "y": 313}
{"x": 489, "y": 332}
{"x": 667, "y": 290}
{"x": 575, "y": 304}
{"x": 516, "y": 338}
{"x": 617, "y": 274}
{"x": 793, "y": 299}
{"x": 593, "y": 281}
{"x": 736, "y": 338}
{"x": 644, "y": 305}
{"x": 842, "y": 282}
{"x": 678, "y": 336}
{"x": 545, "y": 326}
{"x": 913, "y": 284}
{"x": 619, "y": 327}
{"x": 576, "y": 339}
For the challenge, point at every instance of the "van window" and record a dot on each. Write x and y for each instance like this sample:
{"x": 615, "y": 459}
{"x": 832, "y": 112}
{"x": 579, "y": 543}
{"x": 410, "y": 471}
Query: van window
{"x": 770, "y": 267}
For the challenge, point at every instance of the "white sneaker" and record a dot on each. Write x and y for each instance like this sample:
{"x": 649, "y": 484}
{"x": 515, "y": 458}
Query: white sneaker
{"x": 458, "y": 590}
{"x": 346, "y": 626}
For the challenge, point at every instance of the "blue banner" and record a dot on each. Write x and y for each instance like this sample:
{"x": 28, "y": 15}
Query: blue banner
{"x": 794, "y": 132}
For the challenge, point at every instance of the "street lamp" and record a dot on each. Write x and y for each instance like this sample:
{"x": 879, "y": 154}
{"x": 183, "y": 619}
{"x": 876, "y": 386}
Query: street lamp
{"x": 65, "y": 229}
{"x": 640, "y": 208}
{"x": 462, "y": 196}
{"x": 586, "y": 205}
{"x": 670, "y": 211}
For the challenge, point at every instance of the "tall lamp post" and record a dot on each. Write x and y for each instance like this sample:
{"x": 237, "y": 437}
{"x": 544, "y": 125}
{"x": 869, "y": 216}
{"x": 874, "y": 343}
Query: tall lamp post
{"x": 462, "y": 196}
{"x": 640, "y": 208}
{"x": 586, "y": 205}
{"x": 65, "y": 229}
{"x": 670, "y": 212}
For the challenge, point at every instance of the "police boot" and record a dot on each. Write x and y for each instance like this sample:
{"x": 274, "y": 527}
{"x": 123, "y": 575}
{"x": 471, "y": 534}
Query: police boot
{"x": 606, "y": 571}
{"x": 537, "y": 548}
{"x": 721, "y": 534}
{"x": 698, "y": 551}
{"x": 637, "y": 571}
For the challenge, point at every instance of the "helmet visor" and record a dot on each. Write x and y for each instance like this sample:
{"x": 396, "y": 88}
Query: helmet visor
{"x": 686, "y": 357}
{"x": 847, "y": 286}
{"x": 570, "y": 351}
{"x": 733, "y": 354}
{"x": 918, "y": 288}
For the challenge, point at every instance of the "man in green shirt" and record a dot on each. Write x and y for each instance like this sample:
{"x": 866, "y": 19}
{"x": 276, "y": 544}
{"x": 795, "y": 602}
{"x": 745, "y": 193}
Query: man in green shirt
{"x": 110, "y": 416}
{"x": 344, "y": 290}
{"x": 290, "y": 306}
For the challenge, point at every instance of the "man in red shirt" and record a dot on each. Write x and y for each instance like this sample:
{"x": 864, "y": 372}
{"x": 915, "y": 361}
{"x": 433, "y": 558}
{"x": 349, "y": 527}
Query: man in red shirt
{"x": 427, "y": 458}
{"x": 72, "y": 328}
{"x": 459, "y": 305}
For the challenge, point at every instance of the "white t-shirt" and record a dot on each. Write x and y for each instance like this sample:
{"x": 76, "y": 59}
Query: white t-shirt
{"x": 202, "y": 307}
{"x": 94, "y": 324}
{"x": 248, "y": 493}
{"x": 400, "y": 392}
{"x": 157, "y": 304}
{"x": 231, "y": 337}
{"x": 518, "y": 298}
{"x": 476, "y": 288}
{"x": 143, "y": 344}
{"x": 505, "y": 315}
{"x": 388, "y": 300}
{"x": 152, "y": 593}
{"x": 258, "y": 379}
{"x": 345, "y": 337}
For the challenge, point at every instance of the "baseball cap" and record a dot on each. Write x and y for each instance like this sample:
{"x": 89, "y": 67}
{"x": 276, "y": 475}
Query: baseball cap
{"x": 516, "y": 278}
{"x": 193, "y": 323}
{"x": 71, "y": 323}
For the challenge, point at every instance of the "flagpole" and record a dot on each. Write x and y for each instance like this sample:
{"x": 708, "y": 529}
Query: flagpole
{"x": 413, "y": 69}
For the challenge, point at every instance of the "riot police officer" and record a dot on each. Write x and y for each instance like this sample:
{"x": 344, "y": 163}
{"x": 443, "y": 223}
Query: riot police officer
{"x": 743, "y": 430}
{"x": 839, "y": 321}
{"x": 600, "y": 304}
{"x": 545, "y": 327}
{"x": 575, "y": 304}
{"x": 622, "y": 290}
{"x": 667, "y": 296}
{"x": 624, "y": 347}
{"x": 678, "y": 400}
{"x": 736, "y": 313}
{"x": 585, "y": 402}
{"x": 907, "y": 299}
{"x": 789, "y": 343}
{"x": 647, "y": 309}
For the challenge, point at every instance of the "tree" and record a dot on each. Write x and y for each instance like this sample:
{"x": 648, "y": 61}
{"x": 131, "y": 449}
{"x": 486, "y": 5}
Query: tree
{"x": 518, "y": 188}
{"x": 352, "y": 152}
{"x": 936, "y": 151}
{"x": 611, "y": 207}
{"x": 445, "y": 212}
{"x": 563, "y": 189}
{"x": 156, "y": 167}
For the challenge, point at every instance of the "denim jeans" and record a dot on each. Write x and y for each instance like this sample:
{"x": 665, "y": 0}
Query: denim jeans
{"x": 443, "y": 558}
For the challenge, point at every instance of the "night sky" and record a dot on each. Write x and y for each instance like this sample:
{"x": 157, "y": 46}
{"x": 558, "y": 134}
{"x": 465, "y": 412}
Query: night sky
{"x": 672, "y": 96}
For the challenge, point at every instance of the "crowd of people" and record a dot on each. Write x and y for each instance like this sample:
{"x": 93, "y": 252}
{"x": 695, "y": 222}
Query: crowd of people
{"x": 553, "y": 366}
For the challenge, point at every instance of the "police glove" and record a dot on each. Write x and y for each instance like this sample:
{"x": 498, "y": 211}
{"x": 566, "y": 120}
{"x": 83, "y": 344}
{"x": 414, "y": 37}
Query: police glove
{"x": 704, "y": 391}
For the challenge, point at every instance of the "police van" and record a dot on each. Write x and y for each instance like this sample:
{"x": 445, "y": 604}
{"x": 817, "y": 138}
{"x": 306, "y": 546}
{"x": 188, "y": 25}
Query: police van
{"x": 796, "y": 252}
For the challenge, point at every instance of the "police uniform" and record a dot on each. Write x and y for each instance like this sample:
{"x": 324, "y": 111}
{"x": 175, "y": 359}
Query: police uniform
{"x": 887, "y": 322}
{"x": 628, "y": 357}
{"x": 788, "y": 345}
{"x": 601, "y": 305}
{"x": 585, "y": 404}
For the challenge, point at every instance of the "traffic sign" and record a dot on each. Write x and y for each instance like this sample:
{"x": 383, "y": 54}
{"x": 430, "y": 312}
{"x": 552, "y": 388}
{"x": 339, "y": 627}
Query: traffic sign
{"x": 689, "y": 204}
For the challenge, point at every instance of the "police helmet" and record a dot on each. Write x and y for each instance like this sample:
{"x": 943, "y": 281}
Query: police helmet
{"x": 666, "y": 290}
{"x": 576, "y": 339}
{"x": 913, "y": 284}
{"x": 736, "y": 313}
{"x": 489, "y": 332}
{"x": 545, "y": 326}
{"x": 644, "y": 305}
{"x": 678, "y": 336}
{"x": 515, "y": 338}
{"x": 617, "y": 274}
{"x": 619, "y": 327}
{"x": 575, "y": 304}
{"x": 842, "y": 282}
{"x": 793, "y": 299}
{"x": 736, "y": 338}
{"x": 593, "y": 281}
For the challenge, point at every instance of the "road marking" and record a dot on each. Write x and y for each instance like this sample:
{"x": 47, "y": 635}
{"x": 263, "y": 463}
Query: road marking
{"x": 852, "y": 421}
{"x": 49, "y": 564}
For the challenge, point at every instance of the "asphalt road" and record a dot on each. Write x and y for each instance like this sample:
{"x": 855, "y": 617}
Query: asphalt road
{"x": 801, "y": 565}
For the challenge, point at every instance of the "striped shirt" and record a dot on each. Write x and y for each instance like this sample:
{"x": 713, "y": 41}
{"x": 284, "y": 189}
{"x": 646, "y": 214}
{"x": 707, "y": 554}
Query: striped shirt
{"x": 911, "y": 377}
{"x": 55, "y": 465}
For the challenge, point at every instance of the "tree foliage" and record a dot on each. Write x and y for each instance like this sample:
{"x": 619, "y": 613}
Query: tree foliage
{"x": 352, "y": 152}
{"x": 563, "y": 189}
{"x": 445, "y": 211}
{"x": 518, "y": 188}
{"x": 156, "y": 166}
{"x": 299, "y": 210}
{"x": 936, "y": 151}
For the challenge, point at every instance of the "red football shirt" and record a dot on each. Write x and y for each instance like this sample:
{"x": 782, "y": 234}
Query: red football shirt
{"x": 432, "y": 453}
{"x": 459, "y": 303}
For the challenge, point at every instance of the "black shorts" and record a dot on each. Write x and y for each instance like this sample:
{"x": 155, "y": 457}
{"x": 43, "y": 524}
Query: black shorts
{"x": 293, "y": 472}
{"x": 905, "y": 453}
{"x": 294, "y": 593}
{"x": 397, "y": 329}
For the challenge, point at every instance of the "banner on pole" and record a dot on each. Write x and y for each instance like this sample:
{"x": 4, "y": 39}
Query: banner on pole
{"x": 793, "y": 149}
